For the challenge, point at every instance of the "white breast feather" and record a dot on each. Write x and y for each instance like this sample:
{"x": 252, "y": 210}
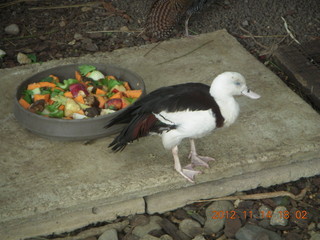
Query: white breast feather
{"x": 190, "y": 124}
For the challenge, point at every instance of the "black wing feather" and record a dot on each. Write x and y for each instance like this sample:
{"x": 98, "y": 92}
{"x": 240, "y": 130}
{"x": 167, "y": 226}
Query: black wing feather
{"x": 191, "y": 96}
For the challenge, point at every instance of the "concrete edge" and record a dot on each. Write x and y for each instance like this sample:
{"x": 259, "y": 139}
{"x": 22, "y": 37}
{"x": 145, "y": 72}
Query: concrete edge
{"x": 69, "y": 220}
{"x": 160, "y": 202}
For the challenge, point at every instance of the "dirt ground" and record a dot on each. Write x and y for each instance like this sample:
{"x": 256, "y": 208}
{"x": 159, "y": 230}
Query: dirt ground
{"x": 59, "y": 29}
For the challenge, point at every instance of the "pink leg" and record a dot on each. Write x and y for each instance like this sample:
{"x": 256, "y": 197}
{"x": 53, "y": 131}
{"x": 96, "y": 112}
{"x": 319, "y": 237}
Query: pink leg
{"x": 197, "y": 160}
{"x": 188, "y": 173}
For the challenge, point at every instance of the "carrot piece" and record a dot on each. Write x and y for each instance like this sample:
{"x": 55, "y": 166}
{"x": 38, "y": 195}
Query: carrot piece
{"x": 50, "y": 102}
{"x": 100, "y": 92}
{"x": 24, "y": 103}
{"x": 32, "y": 86}
{"x": 125, "y": 102}
{"x": 55, "y": 78}
{"x": 68, "y": 94}
{"x": 60, "y": 89}
{"x": 102, "y": 101}
{"x": 116, "y": 95}
{"x": 45, "y": 97}
{"x": 126, "y": 85}
{"x": 80, "y": 112}
{"x": 47, "y": 84}
{"x": 79, "y": 99}
{"x": 133, "y": 93}
{"x": 78, "y": 76}
{"x": 61, "y": 107}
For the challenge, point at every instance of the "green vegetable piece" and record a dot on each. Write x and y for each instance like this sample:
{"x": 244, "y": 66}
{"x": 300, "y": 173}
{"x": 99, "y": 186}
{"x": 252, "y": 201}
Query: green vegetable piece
{"x": 45, "y": 92}
{"x": 53, "y": 107}
{"x": 131, "y": 100}
{"x": 113, "y": 82}
{"x": 47, "y": 79}
{"x": 85, "y": 69}
{"x": 57, "y": 114}
{"x": 104, "y": 81}
{"x": 66, "y": 83}
{"x": 27, "y": 96}
{"x": 28, "y": 99}
{"x": 32, "y": 57}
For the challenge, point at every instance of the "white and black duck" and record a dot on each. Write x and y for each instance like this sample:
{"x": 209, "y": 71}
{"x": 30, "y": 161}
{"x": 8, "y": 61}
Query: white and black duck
{"x": 189, "y": 110}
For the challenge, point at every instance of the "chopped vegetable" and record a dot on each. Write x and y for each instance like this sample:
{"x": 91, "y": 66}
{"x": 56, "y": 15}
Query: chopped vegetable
{"x": 24, "y": 103}
{"x": 45, "y": 97}
{"x": 114, "y": 104}
{"x": 71, "y": 107}
{"x": 85, "y": 69}
{"x": 133, "y": 93}
{"x": 95, "y": 75}
{"x": 78, "y": 76}
{"x": 78, "y": 89}
{"x": 68, "y": 94}
{"x": 66, "y": 83}
{"x": 88, "y": 94}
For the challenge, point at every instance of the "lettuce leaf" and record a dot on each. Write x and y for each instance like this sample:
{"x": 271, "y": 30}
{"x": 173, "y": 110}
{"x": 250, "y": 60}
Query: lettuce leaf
{"x": 85, "y": 69}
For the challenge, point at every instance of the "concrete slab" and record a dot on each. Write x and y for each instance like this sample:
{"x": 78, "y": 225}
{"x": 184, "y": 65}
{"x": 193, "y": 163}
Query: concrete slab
{"x": 43, "y": 181}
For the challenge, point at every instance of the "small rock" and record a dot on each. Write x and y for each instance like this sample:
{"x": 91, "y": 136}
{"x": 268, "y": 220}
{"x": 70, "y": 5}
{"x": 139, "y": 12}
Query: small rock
{"x": 279, "y": 217}
{"x": 311, "y": 226}
{"x": 131, "y": 237}
{"x": 90, "y": 238}
{"x": 293, "y": 236}
{"x": 141, "y": 231}
{"x": 315, "y": 236}
{"x": 124, "y": 29}
{"x": 245, "y": 23}
{"x": 250, "y": 232}
{"x": 139, "y": 220}
{"x": 190, "y": 227}
{"x": 231, "y": 227}
{"x": 78, "y": 36}
{"x": 265, "y": 223}
{"x": 148, "y": 237}
{"x": 88, "y": 45}
{"x": 110, "y": 234}
{"x": 2, "y": 53}
{"x": 62, "y": 23}
{"x": 199, "y": 237}
{"x": 264, "y": 212}
{"x": 23, "y": 58}
{"x": 12, "y": 29}
{"x": 180, "y": 214}
{"x": 166, "y": 237}
{"x": 72, "y": 42}
{"x": 215, "y": 225}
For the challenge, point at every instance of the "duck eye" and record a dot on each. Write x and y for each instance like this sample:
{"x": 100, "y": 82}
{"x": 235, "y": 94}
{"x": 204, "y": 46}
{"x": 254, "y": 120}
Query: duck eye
{"x": 237, "y": 83}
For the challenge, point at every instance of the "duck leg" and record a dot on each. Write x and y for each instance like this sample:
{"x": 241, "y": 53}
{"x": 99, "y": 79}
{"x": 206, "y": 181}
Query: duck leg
{"x": 197, "y": 160}
{"x": 187, "y": 172}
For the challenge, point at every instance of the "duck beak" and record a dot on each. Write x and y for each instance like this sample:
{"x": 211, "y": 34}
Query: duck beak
{"x": 247, "y": 92}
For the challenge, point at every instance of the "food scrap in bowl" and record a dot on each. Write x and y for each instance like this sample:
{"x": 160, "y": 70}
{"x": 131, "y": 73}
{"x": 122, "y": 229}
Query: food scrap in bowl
{"x": 88, "y": 94}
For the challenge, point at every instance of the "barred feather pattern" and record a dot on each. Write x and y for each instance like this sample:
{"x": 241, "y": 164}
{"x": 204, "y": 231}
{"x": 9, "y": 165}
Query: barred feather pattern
{"x": 164, "y": 15}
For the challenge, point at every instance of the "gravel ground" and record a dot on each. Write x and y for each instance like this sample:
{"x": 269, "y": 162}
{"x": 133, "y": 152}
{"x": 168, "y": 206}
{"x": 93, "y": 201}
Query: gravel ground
{"x": 45, "y": 33}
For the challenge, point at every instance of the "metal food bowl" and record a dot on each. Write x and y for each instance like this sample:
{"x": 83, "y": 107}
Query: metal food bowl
{"x": 75, "y": 129}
